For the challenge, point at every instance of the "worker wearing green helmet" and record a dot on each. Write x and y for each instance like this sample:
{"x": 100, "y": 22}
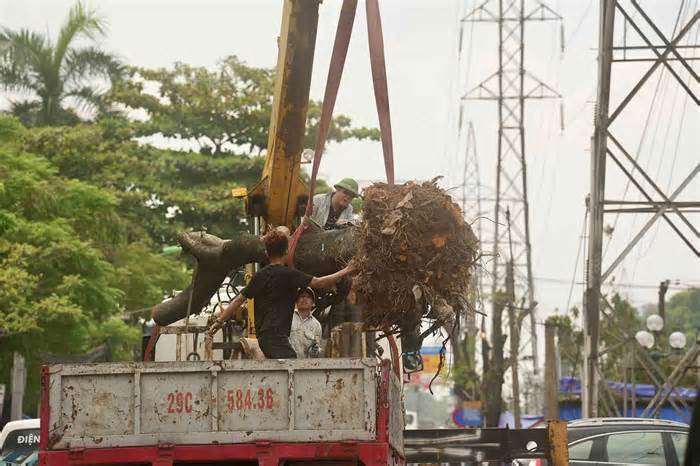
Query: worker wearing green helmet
{"x": 334, "y": 210}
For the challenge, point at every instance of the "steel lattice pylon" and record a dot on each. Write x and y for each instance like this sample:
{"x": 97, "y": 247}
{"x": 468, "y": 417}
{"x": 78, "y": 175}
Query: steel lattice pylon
{"x": 663, "y": 53}
{"x": 472, "y": 208}
{"x": 510, "y": 86}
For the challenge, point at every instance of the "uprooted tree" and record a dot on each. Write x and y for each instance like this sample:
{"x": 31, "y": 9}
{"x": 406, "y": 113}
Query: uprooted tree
{"x": 319, "y": 252}
{"x": 413, "y": 249}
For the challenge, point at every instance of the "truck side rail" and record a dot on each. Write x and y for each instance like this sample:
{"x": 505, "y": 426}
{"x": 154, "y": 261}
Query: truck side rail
{"x": 200, "y": 402}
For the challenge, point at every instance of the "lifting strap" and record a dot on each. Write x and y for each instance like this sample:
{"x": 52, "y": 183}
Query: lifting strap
{"x": 335, "y": 72}
{"x": 381, "y": 92}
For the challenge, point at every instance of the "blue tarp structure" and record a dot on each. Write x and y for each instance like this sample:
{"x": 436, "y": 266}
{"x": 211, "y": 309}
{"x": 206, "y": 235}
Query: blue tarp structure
{"x": 572, "y": 386}
{"x": 569, "y": 410}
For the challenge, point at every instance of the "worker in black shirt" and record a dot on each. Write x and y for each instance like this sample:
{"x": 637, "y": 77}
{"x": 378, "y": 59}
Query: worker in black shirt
{"x": 274, "y": 288}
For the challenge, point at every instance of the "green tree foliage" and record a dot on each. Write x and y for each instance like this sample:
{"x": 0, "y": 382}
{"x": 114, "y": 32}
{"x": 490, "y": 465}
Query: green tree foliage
{"x": 683, "y": 313}
{"x": 222, "y": 109}
{"x": 160, "y": 192}
{"x": 68, "y": 269}
{"x": 55, "y": 73}
{"x": 617, "y": 325}
{"x": 570, "y": 342}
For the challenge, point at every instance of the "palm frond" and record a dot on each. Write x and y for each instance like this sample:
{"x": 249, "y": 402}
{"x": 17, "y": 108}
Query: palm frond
{"x": 81, "y": 22}
{"x": 28, "y": 111}
{"x": 87, "y": 97}
{"x": 12, "y": 80}
{"x": 23, "y": 48}
{"x": 91, "y": 62}
{"x": 25, "y": 55}
{"x": 4, "y": 43}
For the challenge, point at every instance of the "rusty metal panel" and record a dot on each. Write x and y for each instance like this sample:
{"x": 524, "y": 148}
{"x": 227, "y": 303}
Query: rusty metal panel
{"x": 96, "y": 406}
{"x": 175, "y": 402}
{"x": 396, "y": 413}
{"x": 253, "y": 400}
{"x": 201, "y": 402}
{"x": 329, "y": 399}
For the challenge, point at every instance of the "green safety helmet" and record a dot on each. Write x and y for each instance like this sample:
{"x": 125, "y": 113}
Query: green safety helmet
{"x": 348, "y": 184}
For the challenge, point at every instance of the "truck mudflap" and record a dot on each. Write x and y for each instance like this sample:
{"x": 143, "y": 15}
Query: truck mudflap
{"x": 214, "y": 402}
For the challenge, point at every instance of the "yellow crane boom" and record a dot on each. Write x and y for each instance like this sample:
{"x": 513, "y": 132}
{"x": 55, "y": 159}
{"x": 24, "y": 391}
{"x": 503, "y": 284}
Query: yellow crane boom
{"x": 280, "y": 196}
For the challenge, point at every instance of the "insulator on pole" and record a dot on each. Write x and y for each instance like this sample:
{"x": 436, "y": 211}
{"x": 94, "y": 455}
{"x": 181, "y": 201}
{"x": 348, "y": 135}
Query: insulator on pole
{"x": 561, "y": 115}
{"x": 561, "y": 33}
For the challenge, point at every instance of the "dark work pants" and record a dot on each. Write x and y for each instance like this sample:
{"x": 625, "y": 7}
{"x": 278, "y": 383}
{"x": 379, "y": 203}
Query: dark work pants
{"x": 276, "y": 347}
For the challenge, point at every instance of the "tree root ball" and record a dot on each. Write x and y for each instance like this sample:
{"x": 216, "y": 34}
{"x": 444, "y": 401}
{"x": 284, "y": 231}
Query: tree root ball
{"x": 415, "y": 255}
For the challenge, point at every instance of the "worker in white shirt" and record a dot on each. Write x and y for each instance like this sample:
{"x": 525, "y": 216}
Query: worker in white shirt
{"x": 305, "y": 335}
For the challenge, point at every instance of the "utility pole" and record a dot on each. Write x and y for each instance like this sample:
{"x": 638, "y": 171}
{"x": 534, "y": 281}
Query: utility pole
{"x": 19, "y": 376}
{"x": 551, "y": 381}
{"x": 492, "y": 380}
{"x": 2, "y": 398}
{"x": 660, "y": 50}
{"x": 663, "y": 288}
{"x": 510, "y": 86}
{"x": 514, "y": 325}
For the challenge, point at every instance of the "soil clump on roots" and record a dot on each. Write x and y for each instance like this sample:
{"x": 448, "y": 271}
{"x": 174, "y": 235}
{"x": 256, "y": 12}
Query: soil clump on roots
{"x": 415, "y": 255}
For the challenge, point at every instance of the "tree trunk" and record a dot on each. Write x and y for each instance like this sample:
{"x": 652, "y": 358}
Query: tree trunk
{"x": 493, "y": 376}
{"x": 318, "y": 253}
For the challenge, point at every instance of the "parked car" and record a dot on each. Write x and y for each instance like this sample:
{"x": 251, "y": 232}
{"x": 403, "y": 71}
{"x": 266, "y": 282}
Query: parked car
{"x": 19, "y": 443}
{"x": 624, "y": 441}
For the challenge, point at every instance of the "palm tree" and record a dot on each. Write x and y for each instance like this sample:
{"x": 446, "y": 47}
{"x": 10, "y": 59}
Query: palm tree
{"x": 54, "y": 73}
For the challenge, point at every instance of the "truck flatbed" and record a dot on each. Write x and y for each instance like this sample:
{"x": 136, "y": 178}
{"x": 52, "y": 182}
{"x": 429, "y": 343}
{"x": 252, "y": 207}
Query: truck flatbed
{"x": 111, "y": 409}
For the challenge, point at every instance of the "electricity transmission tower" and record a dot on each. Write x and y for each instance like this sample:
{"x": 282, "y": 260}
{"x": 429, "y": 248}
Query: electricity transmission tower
{"x": 510, "y": 86}
{"x": 652, "y": 46}
{"x": 464, "y": 348}
{"x": 472, "y": 209}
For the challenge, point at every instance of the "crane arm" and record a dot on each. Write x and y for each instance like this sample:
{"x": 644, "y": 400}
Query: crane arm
{"x": 281, "y": 195}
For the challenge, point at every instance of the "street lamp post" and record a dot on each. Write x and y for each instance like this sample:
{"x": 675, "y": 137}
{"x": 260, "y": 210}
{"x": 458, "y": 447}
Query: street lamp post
{"x": 651, "y": 336}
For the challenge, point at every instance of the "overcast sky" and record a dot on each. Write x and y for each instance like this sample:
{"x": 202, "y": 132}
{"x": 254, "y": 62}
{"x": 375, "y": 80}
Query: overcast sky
{"x": 426, "y": 78}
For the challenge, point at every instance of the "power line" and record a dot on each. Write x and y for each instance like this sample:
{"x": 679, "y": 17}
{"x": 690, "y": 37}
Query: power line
{"x": 676, "y": 286}
{"x": 580, "y": 22}
{"x": 578, "y": 256}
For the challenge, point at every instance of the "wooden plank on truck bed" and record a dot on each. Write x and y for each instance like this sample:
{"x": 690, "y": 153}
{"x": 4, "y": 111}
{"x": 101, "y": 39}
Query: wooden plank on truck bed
{"x": 201, "y": 402}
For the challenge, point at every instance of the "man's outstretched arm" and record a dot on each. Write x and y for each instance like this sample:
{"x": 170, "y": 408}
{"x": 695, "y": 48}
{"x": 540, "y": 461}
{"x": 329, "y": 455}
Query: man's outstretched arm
{"x": 230, "y": 310}
{"x": 329, "y": 280}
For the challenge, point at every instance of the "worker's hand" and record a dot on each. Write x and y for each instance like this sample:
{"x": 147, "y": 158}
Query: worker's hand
{"x": 352, "y": 268}
{"x": 344, "y": 223}
{"x": 239, "y": 313}
{"x": 215, "y": 327}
